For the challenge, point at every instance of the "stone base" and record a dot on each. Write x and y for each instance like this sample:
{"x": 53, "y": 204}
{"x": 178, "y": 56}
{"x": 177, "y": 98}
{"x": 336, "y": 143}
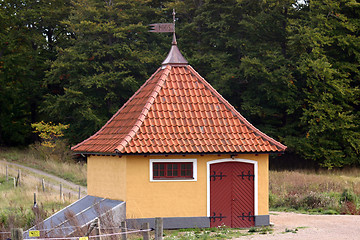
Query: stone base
{"x": 187, "y": 222}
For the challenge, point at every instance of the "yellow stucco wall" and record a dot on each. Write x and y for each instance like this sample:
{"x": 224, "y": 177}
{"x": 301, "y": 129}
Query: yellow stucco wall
{"x": 146, "y": 199}
{"x": 106, "y": 177}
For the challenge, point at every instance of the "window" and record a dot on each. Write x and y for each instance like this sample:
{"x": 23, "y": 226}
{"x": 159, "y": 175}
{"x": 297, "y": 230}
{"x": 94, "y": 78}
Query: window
{"x": 173, "y": 170}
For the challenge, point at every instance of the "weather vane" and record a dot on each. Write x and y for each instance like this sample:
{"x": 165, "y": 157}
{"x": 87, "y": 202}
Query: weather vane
{"x": 163, "y": 27}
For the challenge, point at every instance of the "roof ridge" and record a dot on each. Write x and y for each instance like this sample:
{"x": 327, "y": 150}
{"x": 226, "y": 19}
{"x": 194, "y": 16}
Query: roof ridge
{"x": 234, "y": 111}
{"x": 117, "y": 113}
{"x": 128, "y": 137}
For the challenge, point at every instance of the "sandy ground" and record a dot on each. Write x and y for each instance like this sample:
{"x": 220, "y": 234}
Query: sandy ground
{"x": 327, "y": 227}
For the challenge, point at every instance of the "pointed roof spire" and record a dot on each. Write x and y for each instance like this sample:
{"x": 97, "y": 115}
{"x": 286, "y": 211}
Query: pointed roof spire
{"x": 174, "y": 57}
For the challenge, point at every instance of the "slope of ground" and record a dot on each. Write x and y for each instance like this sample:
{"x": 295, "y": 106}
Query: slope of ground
{"x": 51, "y": 180}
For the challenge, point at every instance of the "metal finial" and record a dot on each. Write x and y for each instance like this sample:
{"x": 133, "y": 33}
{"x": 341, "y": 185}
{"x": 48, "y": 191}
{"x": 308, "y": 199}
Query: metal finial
{"x": 174, "y": 36}
{"x": 174, "y": 57}
{"x": 173, "y": 13}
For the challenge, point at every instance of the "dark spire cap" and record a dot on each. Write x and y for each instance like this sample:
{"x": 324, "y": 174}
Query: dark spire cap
{"x": 175, "y": 57}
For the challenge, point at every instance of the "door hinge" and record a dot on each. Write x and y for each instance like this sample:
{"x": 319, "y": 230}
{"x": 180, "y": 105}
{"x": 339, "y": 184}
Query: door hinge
{"x": 250, "y": 217}
{"x": 249, "y": 175}
{"x": 214, "y": 217}
{"x": 217, "y": 175}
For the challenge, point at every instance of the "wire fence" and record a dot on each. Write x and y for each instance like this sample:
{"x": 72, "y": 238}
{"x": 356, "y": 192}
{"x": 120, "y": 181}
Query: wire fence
{"x": 34, "y": 234}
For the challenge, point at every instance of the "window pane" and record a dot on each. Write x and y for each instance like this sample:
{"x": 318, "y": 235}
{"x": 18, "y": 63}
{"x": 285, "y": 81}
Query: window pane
{"x": 169, "y": 169}
{"x": 173, "y": 170}
{"x": 155, "y": 168}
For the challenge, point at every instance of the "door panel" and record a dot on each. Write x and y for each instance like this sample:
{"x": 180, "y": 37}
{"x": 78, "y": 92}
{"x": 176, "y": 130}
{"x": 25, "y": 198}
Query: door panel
{"x": 243, "y": 192}
{"x": 232, "y": 194}
{"x": 220, "y": 190}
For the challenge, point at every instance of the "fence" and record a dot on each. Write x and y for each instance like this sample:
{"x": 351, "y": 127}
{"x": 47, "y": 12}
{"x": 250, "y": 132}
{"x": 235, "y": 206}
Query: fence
{"x": 17, "y": 183}
{"x": 17, "y": 233}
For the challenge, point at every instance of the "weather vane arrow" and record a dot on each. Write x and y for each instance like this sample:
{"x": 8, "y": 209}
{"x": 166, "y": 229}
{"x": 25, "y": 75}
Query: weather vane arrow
{"x": 163, "y": 27}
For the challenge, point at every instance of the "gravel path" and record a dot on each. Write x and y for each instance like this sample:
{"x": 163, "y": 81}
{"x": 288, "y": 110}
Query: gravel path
{"x": 51, "y": 180}
{"x": 329, "y": 227}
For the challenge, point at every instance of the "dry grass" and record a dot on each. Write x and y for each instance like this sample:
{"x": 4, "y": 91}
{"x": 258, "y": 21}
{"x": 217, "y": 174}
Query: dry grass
{"x": 16, "y": 205}
{"x": 61, "y": 165}
{"x": 306, "y": 181}
{"x": 307, "y": 190}
{"x": 23, "y": 196}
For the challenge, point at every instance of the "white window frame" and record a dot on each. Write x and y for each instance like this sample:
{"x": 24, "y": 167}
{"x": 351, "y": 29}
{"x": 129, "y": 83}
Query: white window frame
{"x": 193, "y": 161}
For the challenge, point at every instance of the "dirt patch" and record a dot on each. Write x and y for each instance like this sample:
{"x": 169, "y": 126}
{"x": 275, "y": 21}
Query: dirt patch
{"x": 312, "y": 227}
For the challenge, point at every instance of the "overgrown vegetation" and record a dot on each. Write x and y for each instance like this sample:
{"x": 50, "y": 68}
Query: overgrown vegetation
{"x": 57, "y": 161}
{"x": 327, "y": 192}
{"x": 17, "y": 204}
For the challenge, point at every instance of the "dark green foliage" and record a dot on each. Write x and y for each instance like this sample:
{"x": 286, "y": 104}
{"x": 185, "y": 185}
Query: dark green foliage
{"x": 28, "y": 32}
{"x": 108, "y": 57}
{"x": 290, "y": 67}
{"x": 328, "y": 78}
{"x": 348, "y": 196}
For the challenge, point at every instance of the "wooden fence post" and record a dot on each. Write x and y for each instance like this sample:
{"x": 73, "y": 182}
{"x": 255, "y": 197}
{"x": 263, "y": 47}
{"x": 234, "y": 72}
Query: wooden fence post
{"x": 43, "y": 184}
{"x": 146, "y": 235}
{"x": 97, "y": 229}
{"x": 7, "y": 176}
{"x": 61, "y": 192}
{"x": 18, "y": 179}
{"x": 124, "y": 230}
{"x": 35, "y": 204}
{"x": 16, "y": 234}
{"x": 158, "y": 228}
{"x": 79, "y": 193}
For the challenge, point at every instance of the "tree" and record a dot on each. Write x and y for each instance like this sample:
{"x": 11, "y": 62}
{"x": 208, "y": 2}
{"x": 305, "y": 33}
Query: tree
{"x": 29, "y": 31}
{"x": 108, "y": 57}
{"x": 328, "y": 77}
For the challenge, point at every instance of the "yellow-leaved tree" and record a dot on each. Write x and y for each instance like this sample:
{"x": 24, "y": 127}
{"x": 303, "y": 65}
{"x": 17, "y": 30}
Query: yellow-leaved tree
{"x": 51, "y": 145}
{"x": 49, "y": 132}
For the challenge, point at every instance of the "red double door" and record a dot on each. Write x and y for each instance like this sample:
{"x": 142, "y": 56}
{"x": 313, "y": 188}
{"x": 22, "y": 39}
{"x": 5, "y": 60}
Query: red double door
{"x": 232, "y": 194}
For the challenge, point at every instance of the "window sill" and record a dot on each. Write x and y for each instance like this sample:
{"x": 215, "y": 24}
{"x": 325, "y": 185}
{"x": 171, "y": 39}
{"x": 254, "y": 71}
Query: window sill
{"x": 173, "y": 180}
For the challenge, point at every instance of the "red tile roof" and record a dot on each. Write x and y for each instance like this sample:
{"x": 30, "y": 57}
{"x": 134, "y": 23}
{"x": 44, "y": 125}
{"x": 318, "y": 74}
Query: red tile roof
{"x": 177, "y": 111}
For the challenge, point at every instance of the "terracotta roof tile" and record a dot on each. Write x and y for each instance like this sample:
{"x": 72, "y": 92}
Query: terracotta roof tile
{"x": 177, "y": 111}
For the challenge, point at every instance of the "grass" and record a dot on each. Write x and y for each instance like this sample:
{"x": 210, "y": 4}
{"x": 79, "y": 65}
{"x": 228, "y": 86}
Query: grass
{"x": 41, "y": 158}
{"x": 16, "y": 205}
{"x": 324, "y": 192}
{"x": 221, "y": 232}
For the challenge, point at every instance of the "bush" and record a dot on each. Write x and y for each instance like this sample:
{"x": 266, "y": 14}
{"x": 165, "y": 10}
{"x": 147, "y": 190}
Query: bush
{"x": 349, "y": 208}
{"x": 316, "y": 200}
{"x": 348, "y": 196}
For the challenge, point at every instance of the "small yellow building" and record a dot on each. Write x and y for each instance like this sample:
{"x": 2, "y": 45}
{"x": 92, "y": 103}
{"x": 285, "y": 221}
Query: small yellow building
{"x": 178, "y": 150}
